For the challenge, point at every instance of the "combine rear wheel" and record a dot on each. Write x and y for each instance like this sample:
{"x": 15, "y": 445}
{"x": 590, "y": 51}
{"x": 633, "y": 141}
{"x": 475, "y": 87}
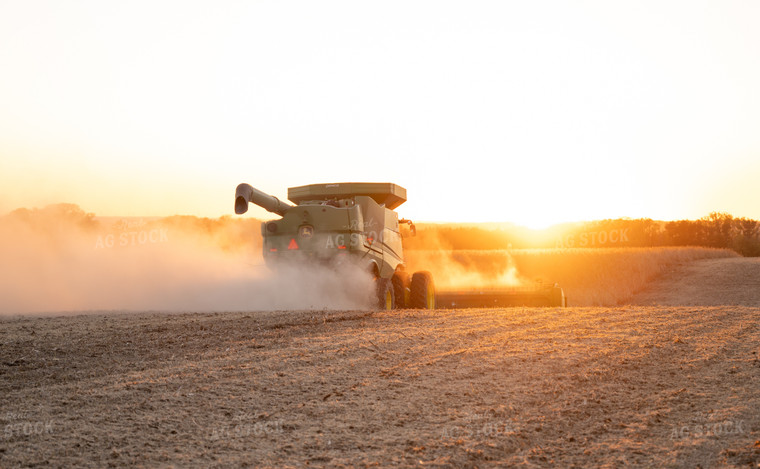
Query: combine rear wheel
{"x": 400, "y": 281}
{"x": 423, "y": 291}
{"x": 385, "y": 296}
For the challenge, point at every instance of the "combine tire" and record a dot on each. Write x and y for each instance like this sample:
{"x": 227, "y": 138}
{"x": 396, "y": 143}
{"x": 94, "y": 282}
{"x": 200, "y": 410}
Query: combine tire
{"x": 385, "y": 296}
{"x": 400, "y": 281}
{"x": 423, "y": 291}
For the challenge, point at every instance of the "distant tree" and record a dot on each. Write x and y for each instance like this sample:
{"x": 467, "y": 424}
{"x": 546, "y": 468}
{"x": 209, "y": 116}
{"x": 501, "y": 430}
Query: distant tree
{"x": 719, "y": 229}
{"x": 55, "y": 216}
{"x": 683, "y": 233}
{"x": 747, "y": 237}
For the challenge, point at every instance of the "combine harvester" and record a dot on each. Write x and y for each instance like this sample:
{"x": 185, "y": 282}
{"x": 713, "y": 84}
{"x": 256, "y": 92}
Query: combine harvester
{"x": 356, "y": 222}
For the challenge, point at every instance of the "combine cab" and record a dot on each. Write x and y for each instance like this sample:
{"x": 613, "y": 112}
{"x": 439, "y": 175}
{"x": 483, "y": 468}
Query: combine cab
{"x": 356, "y": 223}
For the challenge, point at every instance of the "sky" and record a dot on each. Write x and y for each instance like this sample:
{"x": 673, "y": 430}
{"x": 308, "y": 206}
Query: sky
{"x": 527, "y": 112}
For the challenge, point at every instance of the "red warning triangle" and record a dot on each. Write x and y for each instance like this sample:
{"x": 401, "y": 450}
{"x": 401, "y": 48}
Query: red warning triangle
{"x": 293, "y": 244}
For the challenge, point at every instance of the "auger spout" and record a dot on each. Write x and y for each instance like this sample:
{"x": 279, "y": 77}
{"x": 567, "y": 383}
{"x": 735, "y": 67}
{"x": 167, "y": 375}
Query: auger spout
{"x": 246, "y": 193}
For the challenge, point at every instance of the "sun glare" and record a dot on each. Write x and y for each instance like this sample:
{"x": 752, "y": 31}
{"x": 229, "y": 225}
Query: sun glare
{"x": 568, "y": 123}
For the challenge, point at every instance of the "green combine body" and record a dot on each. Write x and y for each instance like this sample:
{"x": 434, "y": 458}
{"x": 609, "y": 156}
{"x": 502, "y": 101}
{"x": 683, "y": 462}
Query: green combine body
{"x": 343, "y": 222}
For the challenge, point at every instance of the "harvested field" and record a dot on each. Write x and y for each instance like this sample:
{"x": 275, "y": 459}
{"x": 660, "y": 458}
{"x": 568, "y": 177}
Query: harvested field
{"x": 665, "y": 386}
{"x": 708, "y": 282}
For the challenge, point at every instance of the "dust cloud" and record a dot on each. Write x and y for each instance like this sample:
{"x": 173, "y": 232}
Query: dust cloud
{"x": 60, "y": 259}
{"x": 458, "y": 270}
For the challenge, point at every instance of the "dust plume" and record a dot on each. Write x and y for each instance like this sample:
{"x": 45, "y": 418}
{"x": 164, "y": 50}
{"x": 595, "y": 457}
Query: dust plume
{"x": 457, "y": 270}
{"x": 59, "y": 259}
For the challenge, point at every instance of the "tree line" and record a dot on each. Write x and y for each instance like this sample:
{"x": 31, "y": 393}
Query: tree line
{"x": 717, "y": 230}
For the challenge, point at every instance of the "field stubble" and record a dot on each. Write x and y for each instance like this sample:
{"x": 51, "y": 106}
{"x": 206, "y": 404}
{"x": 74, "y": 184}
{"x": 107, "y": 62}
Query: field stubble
{"x": 576, "y": 387}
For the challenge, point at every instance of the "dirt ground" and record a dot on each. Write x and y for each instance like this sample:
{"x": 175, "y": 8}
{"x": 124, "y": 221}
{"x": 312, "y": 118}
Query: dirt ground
{"x": 707, "y": 282}
{"x": 657, "y": 386}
